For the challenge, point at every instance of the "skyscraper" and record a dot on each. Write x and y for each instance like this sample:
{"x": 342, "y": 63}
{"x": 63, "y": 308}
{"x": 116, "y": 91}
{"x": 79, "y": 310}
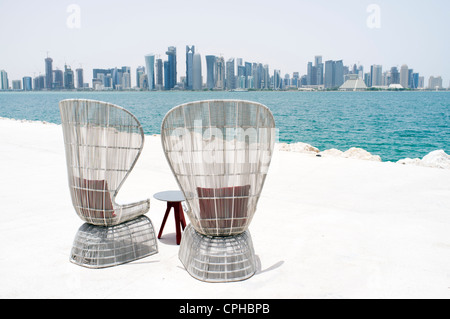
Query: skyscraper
{"x": 329, "y": 74}
{"x": 140, "y": 71}
{"x": 220, "y": 74}
{"x": 404, "y": 76}
{"x": 319, "y": 70}
{"x": 48, "y": 73}
{"x": 339, "y": 73}
{"x": 334, "y": 74}
{"x": 230, "y": 74}
{"x": 27, "y": 83}
{"x": 172, "y": 68}
{"x": 435, "y": 83}
{"x": 210, "y": 68}
{"x": 4, "y": 85}
{"x": 190, "y": 52}
{"x": 150, "y": 66}
{"x": 395, "y": 76}
{"x": 166, "y": 75}
{"x": 80, "y": 79}
{"x": 69, "y": 78}
{"x": 58, "y": 80}
{"x": 197, "y": 72}
{"x": 159, "y": 74}
{"x": 376, "y": 75}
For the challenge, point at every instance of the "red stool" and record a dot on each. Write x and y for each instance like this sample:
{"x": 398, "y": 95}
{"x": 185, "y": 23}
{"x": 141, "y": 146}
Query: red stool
{"x": 174, "y": 200}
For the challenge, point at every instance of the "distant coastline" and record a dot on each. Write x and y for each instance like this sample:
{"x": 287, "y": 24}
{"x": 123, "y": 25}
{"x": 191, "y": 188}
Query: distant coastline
{"x": 231, "y": 91}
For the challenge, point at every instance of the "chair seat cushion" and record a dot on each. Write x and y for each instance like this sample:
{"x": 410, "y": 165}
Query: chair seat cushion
{"x": 223, "y": 207}
{"x": 93, "y": 199}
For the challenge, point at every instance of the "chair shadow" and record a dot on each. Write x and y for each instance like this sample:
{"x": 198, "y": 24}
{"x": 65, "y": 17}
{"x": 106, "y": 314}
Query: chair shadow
{"x": 273, "y": 267}
{"x": 169, "y": 239}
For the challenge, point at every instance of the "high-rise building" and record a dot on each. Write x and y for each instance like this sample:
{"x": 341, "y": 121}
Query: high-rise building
{"x": 140, "y": 70}
{"x": 17, "y": 85}
{"x": 190, "y": 52}
{"x": 220, "y": 74}
{"x": 80, "y": 78}
{"x": 166, "y": 75}
{"x": 4, "y": 85}
{"x": 126, "y": 80}
{"x": 48, "y": 73}
{"x": 339, "y": 73}
{"x": 210, "y": 71}
{"x": 172, "y": 68}
{"x": 319, "y": 70}
{"x": 231, "y": 81}
{"x": 197, "y": 72}
{"x": 334, "y": 74}
{"x": 415, "y": 80}
{"x": 150, "y": 67}
{"x": 39, "y": 82}
{"x": 58, "y": 80}
{"x": 395, "y": 76}
{"x": 159, "y": 72}
{"x": 329, "y": 74}
{"x": 435, "y": 83}
{"x": 27, "y": 83}
{"x": 376, "y": 75}
{"x": 276, "y": 80}
{"x": 69, "y": 78}
{"x": 404, "y": 76}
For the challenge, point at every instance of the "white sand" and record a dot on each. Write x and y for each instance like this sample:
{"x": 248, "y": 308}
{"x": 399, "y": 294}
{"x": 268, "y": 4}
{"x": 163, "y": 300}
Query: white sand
{"x": 325, "y": 227}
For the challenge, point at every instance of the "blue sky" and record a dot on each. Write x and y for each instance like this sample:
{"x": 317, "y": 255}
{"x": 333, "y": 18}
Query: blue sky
{"x": 285, "y": 34}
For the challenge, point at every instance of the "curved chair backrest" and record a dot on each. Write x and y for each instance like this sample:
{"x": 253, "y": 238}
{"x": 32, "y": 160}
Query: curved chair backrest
{"x": 102, "y": 142}
{"x": 219, "y": 152}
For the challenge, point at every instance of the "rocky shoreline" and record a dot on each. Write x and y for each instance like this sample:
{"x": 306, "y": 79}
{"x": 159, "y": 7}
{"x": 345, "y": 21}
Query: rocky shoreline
{"x": 436, "y": 159}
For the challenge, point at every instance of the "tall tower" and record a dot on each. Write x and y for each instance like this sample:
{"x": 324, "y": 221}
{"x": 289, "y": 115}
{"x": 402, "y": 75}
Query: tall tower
{"x": 190, "y": 52}
{"x": 230, "y": 74}
{"x": 404, "y": 76}
{"x": 159, "y": 74}
{"x": 150, "y": 66}
{"x": 197, "y": 72}
{"x": 210, "y": 67}
{"x": 220, "y": 75}
{"x": 48, "y": 73}
{"x": 172, "y": 68}
{"x": 376, "y": 74}
{"x": 4, "y": 85}
{"x": 80, "y": 78}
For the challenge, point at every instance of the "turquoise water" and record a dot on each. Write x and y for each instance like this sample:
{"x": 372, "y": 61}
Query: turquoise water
{"x": 394, "y": 125}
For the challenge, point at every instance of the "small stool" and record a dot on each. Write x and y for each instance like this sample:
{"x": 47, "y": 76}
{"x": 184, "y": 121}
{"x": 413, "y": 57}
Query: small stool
{"x": 174, "y": 200}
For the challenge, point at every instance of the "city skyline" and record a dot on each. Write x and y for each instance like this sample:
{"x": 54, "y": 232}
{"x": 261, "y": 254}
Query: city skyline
{"x": 283, "y": 35}
{"x": 234, "y": 74}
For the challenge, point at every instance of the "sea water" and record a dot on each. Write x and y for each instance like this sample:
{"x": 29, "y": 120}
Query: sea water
{"x": 393, "y": 125}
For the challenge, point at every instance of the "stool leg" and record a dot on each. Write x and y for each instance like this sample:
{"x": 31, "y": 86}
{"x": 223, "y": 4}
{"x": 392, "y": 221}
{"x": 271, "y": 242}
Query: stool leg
{"x": 169, "y": 207}
{"x": 178, "y": 223}
{"x": 183, "y": 220}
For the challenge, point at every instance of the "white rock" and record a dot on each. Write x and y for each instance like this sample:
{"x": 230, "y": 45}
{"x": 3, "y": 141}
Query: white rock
{"x": 438, "y": 159}
{"x": 298, "y": 148}
{"x": 359, "y": 153}
{"x": 332, "y": 152}
{"x": 410, "y": 161}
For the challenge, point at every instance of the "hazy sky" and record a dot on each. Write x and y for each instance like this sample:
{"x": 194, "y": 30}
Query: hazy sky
{"x": 285, "y": 34}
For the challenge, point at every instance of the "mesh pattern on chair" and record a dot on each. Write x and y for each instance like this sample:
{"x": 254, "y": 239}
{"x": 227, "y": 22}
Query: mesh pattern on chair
{"x": 218, "y": 259}
{"x": 219, "y": 152}
{"x": 102, "y": 143}
{"x": 102, "y": 247}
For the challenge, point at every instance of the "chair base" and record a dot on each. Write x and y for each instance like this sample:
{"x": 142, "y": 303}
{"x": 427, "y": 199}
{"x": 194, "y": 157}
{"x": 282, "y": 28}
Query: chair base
{"x": 98, "y": 247}
{"x": 218, "y": 259}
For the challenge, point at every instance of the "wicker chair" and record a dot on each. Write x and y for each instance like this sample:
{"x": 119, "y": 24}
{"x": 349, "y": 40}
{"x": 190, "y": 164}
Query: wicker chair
{"x": 219, "y": 152}
{"x": 103, "y": 143}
